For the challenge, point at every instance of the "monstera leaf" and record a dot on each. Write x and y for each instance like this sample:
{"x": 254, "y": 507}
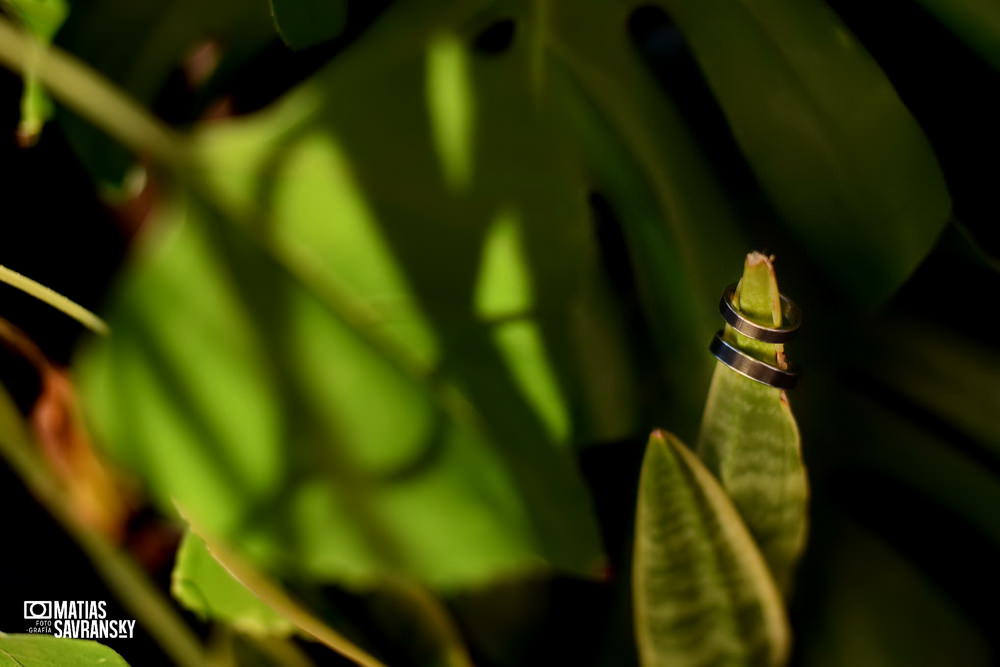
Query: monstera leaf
{"x": 373, "y": 316}
{"x": 833, "y": 146}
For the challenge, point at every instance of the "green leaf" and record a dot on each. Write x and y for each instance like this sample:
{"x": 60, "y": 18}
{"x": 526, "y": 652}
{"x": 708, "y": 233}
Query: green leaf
{"x": 143, "y": 45}
{"x": 834, "y": 147}
{"x": 202, "y": 585}
{"x": 947, "y": 375}
{"x": 43, "y": 651}
{"x": 703, "y": 594}
{"x": 288, "y": 433}
{"x": 975, "y": 21}
{"x": 304, "y": 23}
{"x": 683, "y": 237}
{"x": 386, "y": 295}
{"x": 41, "y": 18}
{"x": 749, "y": 438}
{"x": 879, "y": 608}
{"x": 336, "y": 421}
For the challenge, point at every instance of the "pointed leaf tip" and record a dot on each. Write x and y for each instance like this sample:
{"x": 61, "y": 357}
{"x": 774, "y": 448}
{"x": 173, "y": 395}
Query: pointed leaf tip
{"x": 749, "y": 437}
{"x": 702, "y": 592}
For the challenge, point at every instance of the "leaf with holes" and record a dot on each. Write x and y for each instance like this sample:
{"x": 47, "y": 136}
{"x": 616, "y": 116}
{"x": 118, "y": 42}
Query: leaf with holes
{"x": 362, "y": 343}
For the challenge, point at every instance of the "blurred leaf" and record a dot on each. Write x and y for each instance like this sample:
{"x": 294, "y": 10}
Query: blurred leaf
{"x": 273, "y": 593}
{"x": 836, "y": 150}
{"x": 122, "y": 575}
{"x": 880, "y": 439}
{"x": 682, "y": 235}
{"x": 288, "y": 434}
{"x": 52, "y": 298}
{"x": 43, "y": 651}
{"x": 975, "y": 21}
{"x": 142, "y": 46}
{"x": 749, "y": 438}
{"x": 202, "y": 585}
{"x": 703, "y": 594}
{"x": 42, "y": 18}
{"x": 385, "y": 312}
{"x": 947, "y": 375}
{"x": 304, "y": 23}
{"x": 877, "y": 608}
{"x": 263, "y": 399}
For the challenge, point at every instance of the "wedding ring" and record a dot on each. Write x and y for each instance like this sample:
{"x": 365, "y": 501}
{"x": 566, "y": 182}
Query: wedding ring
{"x": 752, "y": 368}
{"x": 734, "y": 318}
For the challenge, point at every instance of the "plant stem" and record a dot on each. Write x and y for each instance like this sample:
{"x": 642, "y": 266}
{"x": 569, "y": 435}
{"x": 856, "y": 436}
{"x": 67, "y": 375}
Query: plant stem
{"x": 125, "y": 579}
{"x": 439, "y": 621}
{"x": 90, "y": 95}
{"x": 54, "y": 299}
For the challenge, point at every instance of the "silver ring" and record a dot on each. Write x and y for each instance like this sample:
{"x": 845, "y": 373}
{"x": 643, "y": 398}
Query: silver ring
{"x": 752, "y": 368}
{"x": 734, "y": 318}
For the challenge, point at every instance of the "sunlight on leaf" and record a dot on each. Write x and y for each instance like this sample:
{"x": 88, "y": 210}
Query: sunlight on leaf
{"x": 451, "y": 106}
{"x": 521, "y": 345}
{"x": 360, "y": 476}
{"x": 503, "y": 287}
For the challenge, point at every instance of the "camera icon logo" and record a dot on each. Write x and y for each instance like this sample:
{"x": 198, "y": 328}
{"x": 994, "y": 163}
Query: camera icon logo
{"x": 37, "y": 609}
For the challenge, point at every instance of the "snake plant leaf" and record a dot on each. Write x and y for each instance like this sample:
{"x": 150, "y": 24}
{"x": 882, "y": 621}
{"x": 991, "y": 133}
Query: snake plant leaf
{"x": 702, "y": 591}
{"x": 204, "y": 586}
{"x": 305, "y": 23}
{"x": 749, "y": 438}
{"x": 977, "y": 22}
{"x": 42, "y": 650}
{"x": 834, "y": 147}
{"x": 42, "y": 18}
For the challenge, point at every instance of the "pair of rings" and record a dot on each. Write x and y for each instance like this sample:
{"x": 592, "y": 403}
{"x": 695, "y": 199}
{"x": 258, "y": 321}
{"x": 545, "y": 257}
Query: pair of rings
{"x": 743, "y": 363}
